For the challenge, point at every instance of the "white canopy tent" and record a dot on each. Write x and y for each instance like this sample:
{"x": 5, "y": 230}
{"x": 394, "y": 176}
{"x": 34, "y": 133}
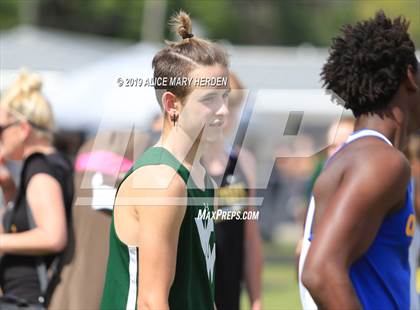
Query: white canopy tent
{"x": 90, "y": 98}
{"x": 47, "y": 49}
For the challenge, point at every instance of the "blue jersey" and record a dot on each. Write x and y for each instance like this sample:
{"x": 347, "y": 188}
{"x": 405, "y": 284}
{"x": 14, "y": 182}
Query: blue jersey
{"x": 381, "y": 277}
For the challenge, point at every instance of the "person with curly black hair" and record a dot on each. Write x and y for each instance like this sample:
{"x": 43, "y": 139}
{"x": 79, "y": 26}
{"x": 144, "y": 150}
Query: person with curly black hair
{"x": 361, "y": 218}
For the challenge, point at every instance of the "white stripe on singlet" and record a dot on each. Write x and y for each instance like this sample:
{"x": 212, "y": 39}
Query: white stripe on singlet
{"x": 132, "y": 268}
{"x": 367, "y": 133}
{"x": 305, "y": 297}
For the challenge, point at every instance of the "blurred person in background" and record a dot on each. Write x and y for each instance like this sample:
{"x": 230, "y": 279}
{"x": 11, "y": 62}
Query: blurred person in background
{"x": 35, "y": 229}
{"x": 285, "y": 197}
{"x": 100, "y": 165}
{"x": 238, "y": 242}
{"x": 8, "y": 186}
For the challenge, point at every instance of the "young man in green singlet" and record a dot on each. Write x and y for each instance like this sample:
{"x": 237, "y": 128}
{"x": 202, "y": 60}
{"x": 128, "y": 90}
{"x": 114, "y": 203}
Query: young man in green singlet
{"x": 161, "y": 253}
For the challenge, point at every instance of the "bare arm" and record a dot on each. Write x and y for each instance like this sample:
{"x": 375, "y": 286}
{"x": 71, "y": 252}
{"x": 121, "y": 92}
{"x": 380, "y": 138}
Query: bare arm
{"x": 253, "y": 262}
{"x": 45, "y": 199}
{"x": 347, "y": 226}
{"x": 158, "y": 231}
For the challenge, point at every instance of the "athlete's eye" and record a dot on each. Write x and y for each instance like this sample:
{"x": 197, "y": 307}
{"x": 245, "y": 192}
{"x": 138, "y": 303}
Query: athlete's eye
{"x": 209, "y": 99}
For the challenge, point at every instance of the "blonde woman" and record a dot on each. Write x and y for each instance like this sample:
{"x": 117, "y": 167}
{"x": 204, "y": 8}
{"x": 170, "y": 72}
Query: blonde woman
{"x": 161, "y": 253}
{"x": 36, "y": 227}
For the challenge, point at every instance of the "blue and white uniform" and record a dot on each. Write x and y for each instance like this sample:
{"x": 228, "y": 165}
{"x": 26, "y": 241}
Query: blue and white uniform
{"x": 381, "y": 277}
{"x": 414, "y": 254}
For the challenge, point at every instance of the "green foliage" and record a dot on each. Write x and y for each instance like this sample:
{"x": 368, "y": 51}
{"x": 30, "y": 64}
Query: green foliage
{"x": 114, "y": 18}
{"x": 223, "y": 16}
{"x": 249, "y": 22}
{"x": 279, "y": 284}
{"x": 408, "y": 8}
{"x": 8, "y": 14}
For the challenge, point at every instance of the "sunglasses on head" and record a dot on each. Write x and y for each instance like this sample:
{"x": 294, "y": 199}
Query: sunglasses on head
{"x": 4, "y": 127}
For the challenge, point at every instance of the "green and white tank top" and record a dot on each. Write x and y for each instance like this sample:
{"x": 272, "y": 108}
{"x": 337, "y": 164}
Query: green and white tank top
{"x": 193, "y": 286}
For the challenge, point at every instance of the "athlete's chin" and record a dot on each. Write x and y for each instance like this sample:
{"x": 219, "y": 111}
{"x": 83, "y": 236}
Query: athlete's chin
{"x": 209, "y": 140}
{"x": 213, "y": 136}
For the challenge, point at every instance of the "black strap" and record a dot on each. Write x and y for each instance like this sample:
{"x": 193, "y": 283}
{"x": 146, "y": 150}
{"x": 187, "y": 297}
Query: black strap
{"x": 230, "y": 168}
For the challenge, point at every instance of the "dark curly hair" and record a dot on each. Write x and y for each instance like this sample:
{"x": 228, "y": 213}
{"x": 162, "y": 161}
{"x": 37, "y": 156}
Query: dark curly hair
{"x": 368, "y": 62}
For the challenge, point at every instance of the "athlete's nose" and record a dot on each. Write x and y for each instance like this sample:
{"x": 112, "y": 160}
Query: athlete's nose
{"x": 223, "y": 112}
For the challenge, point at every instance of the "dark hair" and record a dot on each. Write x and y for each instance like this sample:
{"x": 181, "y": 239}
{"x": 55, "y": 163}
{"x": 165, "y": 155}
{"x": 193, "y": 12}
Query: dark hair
{"x": 178, "y": 59}
{"x": 368, "y": 62}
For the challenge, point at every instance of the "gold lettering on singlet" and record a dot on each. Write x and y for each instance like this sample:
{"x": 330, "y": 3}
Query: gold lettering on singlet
{"x": 409, "y": 229}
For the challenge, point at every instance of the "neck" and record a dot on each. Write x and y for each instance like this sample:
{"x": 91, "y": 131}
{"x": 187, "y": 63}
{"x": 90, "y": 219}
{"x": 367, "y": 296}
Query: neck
{"x": 38, "y": 146}
{"x": 214, "y": 150}
{"x": 181, "y": 145}
{"x": 216, "y": 159}
{"x": 392, "y": 124}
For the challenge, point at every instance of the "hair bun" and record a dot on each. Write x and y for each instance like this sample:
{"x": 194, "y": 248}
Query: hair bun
{"x": 182, "y": 25}
{"x": 29, "y": 82}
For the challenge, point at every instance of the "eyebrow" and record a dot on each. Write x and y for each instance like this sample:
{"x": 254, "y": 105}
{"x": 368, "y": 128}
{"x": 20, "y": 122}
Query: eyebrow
{"x": 215, "y": 93}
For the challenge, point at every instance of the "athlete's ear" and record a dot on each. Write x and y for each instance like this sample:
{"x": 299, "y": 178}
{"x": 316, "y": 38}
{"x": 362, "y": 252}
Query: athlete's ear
{"x": 25, "y": 130}
{"x": 169, "y": 102}
{"x": 412, "y": 82}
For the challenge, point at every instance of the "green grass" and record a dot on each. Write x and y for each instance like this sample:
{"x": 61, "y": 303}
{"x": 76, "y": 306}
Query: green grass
{"x": 280, "y": 289}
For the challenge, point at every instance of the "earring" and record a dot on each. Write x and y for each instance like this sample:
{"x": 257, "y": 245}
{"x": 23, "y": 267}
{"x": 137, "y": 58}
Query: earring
{"x": 174, "y": 118}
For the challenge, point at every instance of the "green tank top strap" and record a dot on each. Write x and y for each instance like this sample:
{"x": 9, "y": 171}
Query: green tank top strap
{"x": 159, "y": 156}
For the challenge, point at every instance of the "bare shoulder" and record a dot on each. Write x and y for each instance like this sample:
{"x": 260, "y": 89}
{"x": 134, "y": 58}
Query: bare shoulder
{"x": 371, "y": 158}
{"x": 151, "y": 199}
{"x": 373, "y": 168}
{"x": 382, "y": 169}
{"x": 43, "y": 184}
{"x": 383, "y": 162}
{"x": 41, "y": 179}
{"x": 155, "y": 180}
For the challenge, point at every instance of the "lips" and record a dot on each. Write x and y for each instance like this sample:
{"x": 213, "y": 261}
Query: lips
{"x": 216, "y": 124}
